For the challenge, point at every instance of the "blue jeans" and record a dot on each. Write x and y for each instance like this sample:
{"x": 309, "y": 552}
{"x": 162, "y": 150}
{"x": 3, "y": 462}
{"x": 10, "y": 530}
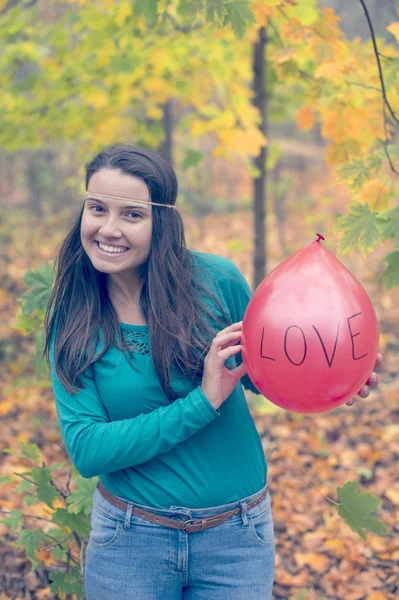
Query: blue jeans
{"x": 128, "y": 558}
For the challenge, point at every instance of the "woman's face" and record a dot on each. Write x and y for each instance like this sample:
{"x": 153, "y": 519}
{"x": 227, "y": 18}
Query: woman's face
{"x": 117, "y": 224}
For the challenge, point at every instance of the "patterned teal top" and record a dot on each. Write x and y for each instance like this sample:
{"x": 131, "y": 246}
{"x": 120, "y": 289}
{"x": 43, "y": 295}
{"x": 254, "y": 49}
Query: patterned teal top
{"x": 122, "y": 427}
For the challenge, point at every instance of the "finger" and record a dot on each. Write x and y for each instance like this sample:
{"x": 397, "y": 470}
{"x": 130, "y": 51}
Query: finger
{"x": 350, "y": 402}
{"x": 373, "y": 380}
{"x": 223, "y": 355}
{"x": 378, "y": 360}
{"x": 227, "y": 339}
{"x": 232, "y": 327}
{"x": 240, "y": 371}
{"x": 364, "y": 392}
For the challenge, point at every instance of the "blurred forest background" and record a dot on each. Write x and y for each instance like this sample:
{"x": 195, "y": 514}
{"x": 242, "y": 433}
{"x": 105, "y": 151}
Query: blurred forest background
{"x": 267, "y": 151}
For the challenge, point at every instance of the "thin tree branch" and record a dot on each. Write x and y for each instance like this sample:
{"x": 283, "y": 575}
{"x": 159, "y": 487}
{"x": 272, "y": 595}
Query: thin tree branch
{"x": 30, "y": 516}
{"x": 384, "y": 94}
{"x": 387, "y": 57}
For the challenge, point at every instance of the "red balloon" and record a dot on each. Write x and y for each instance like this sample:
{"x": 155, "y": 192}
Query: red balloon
{"x": 310, "y": 333}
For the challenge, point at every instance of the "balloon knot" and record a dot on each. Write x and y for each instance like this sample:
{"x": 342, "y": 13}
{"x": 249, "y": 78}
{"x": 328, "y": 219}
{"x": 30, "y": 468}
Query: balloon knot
{"x": 320, "y": 237}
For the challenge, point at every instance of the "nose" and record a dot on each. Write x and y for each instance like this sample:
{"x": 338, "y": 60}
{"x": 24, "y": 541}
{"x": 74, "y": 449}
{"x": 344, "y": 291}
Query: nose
{"x": 110, "y": 229}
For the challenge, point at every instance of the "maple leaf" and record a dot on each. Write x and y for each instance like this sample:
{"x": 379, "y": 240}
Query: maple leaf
{"x": 355, "y": 508}
{"x": 390, "y": 276}
{"x": 361, "y": 227}
{"x": 240, "y": 15}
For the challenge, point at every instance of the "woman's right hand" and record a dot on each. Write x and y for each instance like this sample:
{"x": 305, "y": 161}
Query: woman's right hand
{"x": 217, "y": 380}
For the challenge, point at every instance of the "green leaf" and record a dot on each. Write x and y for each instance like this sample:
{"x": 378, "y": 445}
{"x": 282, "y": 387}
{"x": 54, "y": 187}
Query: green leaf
{"x": 40, "y": 282}
{"x": 23, "y": 486}
{"x": 30, "y": 450}
{"x": 66, "y": 583}
{"x": 31, "y": 540}
{"x": 355, "y": 509}
{"x": 55, "y": 466}
{"x": 81, "y": 499}
{"x": 5, "y": 479}
{"x": 59, "y": 553}
{"x": 14, "y": 520}
{"x": 365, "y": 472}
{"x": 27, "y": 323}
{"x": 192, "y": 159}
{"x": 390, "y": 276}
{"x": 45, "y": 492}
{"x": 390, "y": 227}
{"x": 354, "y": 173}
{"x": 79, "y": 523}
{"x": 239, "y": 15}
{"x": 362, "y": 228}
{"x": 39, "y": 361}
{"x": 30, "y": 499}
{"x": 215, "y": 11}
{"x": 148, "y": 9}
{"x": 305, "y": 11}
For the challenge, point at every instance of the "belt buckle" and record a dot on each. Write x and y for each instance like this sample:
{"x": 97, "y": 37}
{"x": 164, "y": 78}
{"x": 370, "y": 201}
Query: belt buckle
{"x": 199, "y": 521}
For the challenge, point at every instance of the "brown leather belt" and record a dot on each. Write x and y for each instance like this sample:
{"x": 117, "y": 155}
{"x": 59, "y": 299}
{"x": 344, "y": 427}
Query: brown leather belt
{"x": 189, "y": 526}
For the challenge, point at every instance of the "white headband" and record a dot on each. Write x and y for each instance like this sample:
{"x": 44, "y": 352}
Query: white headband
{"x": 101, "y": 196}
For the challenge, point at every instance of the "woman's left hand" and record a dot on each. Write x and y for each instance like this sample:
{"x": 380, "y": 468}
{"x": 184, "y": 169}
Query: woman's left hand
{"x": 372, "y": 382}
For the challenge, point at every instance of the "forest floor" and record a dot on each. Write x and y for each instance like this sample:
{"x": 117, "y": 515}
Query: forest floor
{"x": 317, "y": 555}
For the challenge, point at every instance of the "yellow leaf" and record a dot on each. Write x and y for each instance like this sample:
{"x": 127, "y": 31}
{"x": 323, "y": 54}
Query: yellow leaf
{"x": 393, "y": 495}
{"x": 337, "y": 547}
{"x": 262, "y": 12}
{"x": 154, "y": 112}
{"x": 124, "y": 11}
{"x": 305, "y": 118}
{"x": 98, "y": 99}
{"x": 394, "y": 29}
{"x": 376, "y": 194}
{"x": 339, "y": 153}
{"x": 283, "y": 55}
{"x": 318, "y": 562}
{"x": 390, "y": 433}
{"x": 243, "y": 142}
{"x": 6, "y": 407}
{"x": 293, "y": 30}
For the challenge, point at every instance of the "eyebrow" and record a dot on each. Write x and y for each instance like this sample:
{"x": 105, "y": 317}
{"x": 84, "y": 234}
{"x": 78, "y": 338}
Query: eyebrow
{"x": 89, "y": 199}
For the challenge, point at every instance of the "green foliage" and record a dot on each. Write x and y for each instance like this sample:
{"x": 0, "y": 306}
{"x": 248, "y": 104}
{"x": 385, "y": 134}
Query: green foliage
{"x": 35, "y": 300}
{"x": 355, "y": 508}
{"x": 40, "y": 283}
{"x": 390, "y": 276}
{"x": 193, "y": 158}
{"x": 362, "y": 228}
{"x": 68, "y": 535}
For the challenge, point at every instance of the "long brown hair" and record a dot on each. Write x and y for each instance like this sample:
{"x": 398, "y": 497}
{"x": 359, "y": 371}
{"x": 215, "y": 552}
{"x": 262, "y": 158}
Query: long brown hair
{"x": 170, "y": 298}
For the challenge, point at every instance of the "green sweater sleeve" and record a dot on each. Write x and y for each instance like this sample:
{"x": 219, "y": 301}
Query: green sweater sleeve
{"x": 96, "y": 445}
{"x": 238, "y": 296}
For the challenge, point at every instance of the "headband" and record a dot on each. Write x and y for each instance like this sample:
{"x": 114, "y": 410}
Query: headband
{"x": 101, "y": 196}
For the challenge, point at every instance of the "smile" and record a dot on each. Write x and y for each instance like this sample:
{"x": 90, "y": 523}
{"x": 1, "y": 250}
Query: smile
{"x": 110, "y": 250}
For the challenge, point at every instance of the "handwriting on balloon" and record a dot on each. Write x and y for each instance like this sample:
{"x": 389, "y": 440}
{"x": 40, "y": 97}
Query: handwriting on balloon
{"x": 305, "y": 347}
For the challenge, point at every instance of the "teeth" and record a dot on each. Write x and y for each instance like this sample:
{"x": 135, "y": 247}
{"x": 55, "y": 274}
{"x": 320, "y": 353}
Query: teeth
{"x": 112, "y": 249}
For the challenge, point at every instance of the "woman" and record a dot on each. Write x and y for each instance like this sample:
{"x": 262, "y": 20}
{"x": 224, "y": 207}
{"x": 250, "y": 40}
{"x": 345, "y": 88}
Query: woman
{"x": 142, "y": 341}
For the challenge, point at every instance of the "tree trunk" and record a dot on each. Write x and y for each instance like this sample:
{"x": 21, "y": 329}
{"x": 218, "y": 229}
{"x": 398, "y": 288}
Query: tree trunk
{"x": 166, "y": 147}
{"x": 259, "y": 183}
{"x": 32, "y": 168}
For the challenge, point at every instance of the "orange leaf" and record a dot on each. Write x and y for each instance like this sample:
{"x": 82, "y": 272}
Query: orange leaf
{"x": 305, "y": 118}
{"x": 318, "y": 562}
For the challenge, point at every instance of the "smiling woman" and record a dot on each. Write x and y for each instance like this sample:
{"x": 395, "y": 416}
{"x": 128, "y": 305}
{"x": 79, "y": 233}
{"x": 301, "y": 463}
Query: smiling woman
{"x": 142, "y": 338}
